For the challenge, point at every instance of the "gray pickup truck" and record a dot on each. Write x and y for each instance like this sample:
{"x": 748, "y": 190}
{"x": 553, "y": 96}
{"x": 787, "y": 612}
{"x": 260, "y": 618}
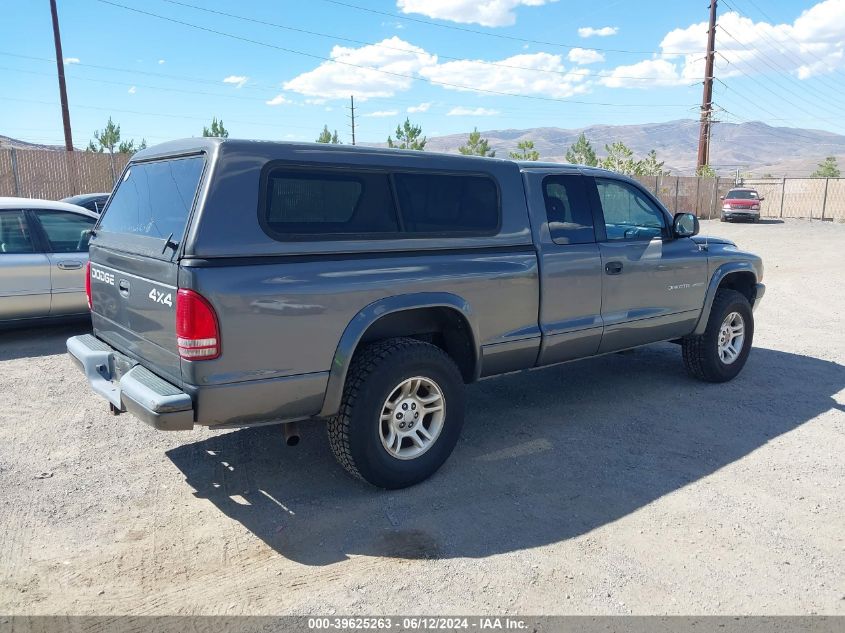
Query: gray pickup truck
{"x": 236, "y": 283}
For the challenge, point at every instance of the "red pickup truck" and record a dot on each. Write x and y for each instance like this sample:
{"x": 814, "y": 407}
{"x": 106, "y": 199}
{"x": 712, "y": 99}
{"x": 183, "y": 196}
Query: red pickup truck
{"x": 741, "y": 204}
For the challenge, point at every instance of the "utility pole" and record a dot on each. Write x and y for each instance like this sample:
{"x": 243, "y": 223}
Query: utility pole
{"x": 707, "y": 98}
{"x": 352, "y": 115}
{"x": 60, "y": 65}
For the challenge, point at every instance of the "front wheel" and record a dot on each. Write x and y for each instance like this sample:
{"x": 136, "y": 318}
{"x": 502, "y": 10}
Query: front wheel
{"x": 720, "y": 353}
{"x": 401, "y": 414}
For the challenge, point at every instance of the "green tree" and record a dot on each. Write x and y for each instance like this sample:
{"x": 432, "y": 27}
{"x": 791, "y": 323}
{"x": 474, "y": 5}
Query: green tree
{"x": 620, "y": 158}
{"x": 476, "y": 146}
{"x": 129, "y": 147}
{"x": 216, "y": 129}
{"x": 408, "y": 137}
{"x": 328, "y": 137}
{"x": 705, "y": 171}
{"x": 526, "y": 151}
{"x": 650, "y": 166}
{"x": 582, "y": 153}
{"x": 827, "y": 169}
{"x": 107, "y": 139}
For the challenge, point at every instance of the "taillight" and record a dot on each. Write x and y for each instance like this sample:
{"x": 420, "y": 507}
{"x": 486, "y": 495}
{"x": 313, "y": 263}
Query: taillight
{"x": 88, "y": 285}
{"x": 197, "y": 334}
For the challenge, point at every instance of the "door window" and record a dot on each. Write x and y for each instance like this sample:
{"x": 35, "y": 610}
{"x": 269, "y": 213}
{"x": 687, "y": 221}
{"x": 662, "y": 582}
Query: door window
{"x": 15, "y": 237}
{"x": 568, "y": 210}
{"x": 628, "y": 213}
{"x": 66, "y": 232}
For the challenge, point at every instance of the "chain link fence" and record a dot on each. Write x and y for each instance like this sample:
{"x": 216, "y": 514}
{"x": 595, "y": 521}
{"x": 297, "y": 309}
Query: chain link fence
{"x": 54, "y": 175}
{"x": 813, "y": 198}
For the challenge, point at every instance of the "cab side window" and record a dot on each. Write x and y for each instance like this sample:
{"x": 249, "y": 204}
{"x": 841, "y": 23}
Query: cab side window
{"x": 568, "y": 210}
{"x": 628, "y": 213}
{"x": 66, "y": 232}
{"x": 15, "y": 238}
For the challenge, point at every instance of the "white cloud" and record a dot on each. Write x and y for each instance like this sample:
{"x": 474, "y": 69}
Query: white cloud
{"x": 462, "y": 111}
{"x": 132, "y": 90}
{"x": 483, "y": 12}
{"x": 383, "y": 113}
{"x": 236, "y": 80}
{"x": 71, "y": 60}
{"x": 423, "y": 107}
{"x": 516, "y": 75}
{"x": 277, "y": 100}
{"x": 645, "y": 74}
{"x": 605, "y": 31}
{"x": 364, "y": 72}
{"x": 811, "y": 45}
{"x": 584, "y": 56}
{"x": 160, "y": 62}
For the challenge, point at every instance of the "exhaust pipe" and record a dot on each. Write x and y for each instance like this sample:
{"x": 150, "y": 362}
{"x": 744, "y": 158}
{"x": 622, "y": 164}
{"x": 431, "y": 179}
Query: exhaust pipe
{"x": 291, "y": 433}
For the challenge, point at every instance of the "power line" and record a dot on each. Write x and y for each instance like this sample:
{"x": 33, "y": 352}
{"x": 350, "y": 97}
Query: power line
{"x": 501, "y": 35}
{"x": 251, "y": 85}
{"x": 763, "y": 59}
{"x": 774, "y": 64}
{"x": 371, "y": 68}
{"x": 167, "y": 115}
{"x": 585, "y": 73}
{"x": 799, "y": 44}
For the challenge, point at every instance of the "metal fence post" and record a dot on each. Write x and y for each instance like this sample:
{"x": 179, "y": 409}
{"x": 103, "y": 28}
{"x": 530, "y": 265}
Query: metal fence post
{"x": 782, "y": 194}
{"x": 713, "y": 199}
{"x": 677, "y": 187}
{"x": 824, "y": 202}
{"x": 697, "y": 190}
{"x": 13, "y": 155}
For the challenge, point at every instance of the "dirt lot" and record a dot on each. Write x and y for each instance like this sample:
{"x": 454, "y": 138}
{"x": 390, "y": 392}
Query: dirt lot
{"x": 615, "y": 485}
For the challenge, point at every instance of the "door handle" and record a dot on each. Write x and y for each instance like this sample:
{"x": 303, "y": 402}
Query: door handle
{"x": 613, "y": 268}
{"x": 69, "y": 265}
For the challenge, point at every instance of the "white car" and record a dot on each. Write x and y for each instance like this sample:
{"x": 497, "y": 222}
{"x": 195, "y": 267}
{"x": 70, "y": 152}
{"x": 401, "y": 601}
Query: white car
{"x": 43, "y": 259}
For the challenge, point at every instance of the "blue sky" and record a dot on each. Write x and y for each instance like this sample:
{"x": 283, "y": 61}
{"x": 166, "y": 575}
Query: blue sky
{"x": 573, "y": 63}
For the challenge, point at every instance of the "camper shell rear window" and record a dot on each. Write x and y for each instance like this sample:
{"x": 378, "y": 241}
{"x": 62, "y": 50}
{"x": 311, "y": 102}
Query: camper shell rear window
{"x": 154, "y": 199}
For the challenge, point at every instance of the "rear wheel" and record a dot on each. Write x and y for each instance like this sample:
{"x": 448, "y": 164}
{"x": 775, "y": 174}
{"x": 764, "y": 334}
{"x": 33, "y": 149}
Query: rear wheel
{"x": 401, "y": 414}
{"x": 720, "y": 353}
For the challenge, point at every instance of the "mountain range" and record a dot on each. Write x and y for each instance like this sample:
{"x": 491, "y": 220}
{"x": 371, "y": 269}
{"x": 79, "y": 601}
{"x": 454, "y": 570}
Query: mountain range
{"x": 752, "y": 148}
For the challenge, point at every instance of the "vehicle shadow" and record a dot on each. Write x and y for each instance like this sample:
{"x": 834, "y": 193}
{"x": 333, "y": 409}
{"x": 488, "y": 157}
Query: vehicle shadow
{"x": 769, "y": 221}
{"x": 545, "y": 456}
{"x": 40, "y": 340}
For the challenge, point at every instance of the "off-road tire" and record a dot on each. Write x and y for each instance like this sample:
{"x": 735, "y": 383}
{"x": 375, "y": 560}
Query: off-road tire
{"x": 722, "y": 218}
{"x": 701, "y": 352}
{"x": 354, "y": 433}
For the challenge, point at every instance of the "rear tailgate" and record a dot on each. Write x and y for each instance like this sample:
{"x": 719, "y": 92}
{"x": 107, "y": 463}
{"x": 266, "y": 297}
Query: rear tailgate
{"x": 133, "y": 265}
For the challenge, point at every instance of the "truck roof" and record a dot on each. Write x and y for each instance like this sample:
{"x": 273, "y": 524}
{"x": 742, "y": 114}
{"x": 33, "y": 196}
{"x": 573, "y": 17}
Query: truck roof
{"x": 282, "y": 149}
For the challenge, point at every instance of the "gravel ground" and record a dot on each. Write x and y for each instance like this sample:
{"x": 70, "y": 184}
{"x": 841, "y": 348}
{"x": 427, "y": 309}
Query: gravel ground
{"x": 614, "y": 485}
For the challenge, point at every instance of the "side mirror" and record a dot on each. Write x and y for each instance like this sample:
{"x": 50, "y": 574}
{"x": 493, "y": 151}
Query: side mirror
{"x": 685, "y": 225}
{"x": 761, "y": 199}
{"x": 721, "y": 197}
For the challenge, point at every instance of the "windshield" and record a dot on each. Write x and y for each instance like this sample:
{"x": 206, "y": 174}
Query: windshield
{"x": 742, "y": 194}
{"x": 154, "y": 199}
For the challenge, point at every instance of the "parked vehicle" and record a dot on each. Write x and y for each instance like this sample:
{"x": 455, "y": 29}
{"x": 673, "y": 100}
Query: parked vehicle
{"x": 95, "y": 202}
{"x": 43, "y": 253}
{"x": 741, "y": 204}
{"x": 237, "y": 283}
